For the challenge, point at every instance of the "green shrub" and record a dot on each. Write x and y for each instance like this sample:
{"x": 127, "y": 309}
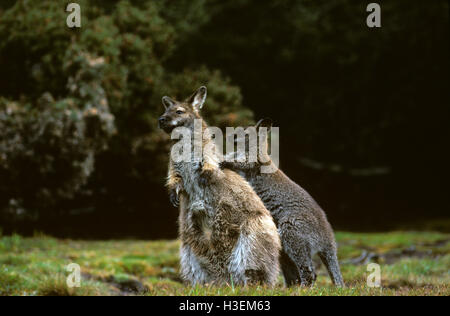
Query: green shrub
{"x": 80, "y": 106}
{"x": 47, "y": 148}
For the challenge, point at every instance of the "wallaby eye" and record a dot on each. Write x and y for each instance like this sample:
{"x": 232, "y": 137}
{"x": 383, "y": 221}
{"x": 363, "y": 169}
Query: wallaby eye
{"x": 179, "y": 112}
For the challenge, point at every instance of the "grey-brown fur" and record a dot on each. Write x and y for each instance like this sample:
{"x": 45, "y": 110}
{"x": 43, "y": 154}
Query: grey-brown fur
{"x": 227, "y": 234}
{"x": 302, "y": 224}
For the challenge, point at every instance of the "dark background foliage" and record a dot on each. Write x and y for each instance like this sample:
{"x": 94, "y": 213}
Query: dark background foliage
{"x": 363, "y": 113}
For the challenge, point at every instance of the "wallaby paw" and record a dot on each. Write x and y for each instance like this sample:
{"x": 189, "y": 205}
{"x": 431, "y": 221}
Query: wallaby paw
{"x": 205, "y": 177}
{"x": 174, "y": 198}
{"x": 224, "y": 164}
{"x": 197, "y": 206}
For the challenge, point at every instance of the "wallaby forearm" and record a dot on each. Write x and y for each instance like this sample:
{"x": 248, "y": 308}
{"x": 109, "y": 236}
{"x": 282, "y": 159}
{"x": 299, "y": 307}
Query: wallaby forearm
{"x": 174, "y": 184}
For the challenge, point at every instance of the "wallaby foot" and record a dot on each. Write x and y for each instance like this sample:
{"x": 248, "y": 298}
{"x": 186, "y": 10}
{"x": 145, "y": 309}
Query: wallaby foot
{"x": 255, "y": 276}
{"x": 299, "y": 251}
{"x": 290, "y": 270}
{"x": 307, "y": 273}
{"x": 330, "y": 261}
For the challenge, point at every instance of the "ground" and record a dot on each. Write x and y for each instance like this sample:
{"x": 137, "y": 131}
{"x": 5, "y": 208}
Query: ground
{"x": 412, "y": 263}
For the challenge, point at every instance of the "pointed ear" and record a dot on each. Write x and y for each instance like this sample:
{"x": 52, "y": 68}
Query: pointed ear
{"x": 167, "y": 102}
{"x": 198, "y": 98}
{"x": 265, "y": 122}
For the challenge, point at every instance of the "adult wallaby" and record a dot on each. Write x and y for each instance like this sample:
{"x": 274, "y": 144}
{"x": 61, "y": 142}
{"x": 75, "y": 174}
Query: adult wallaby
{"x": 302, "y": 224}
{"x": 227, "y": 235}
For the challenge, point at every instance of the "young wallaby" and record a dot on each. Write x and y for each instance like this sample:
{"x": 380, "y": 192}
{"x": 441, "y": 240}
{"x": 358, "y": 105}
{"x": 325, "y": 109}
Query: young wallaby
{"x": 227, "y": 235}
{"x": 302, "y": 224}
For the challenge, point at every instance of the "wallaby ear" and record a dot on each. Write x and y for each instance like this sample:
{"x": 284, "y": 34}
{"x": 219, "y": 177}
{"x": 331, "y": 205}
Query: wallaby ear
{"x": 198, "y": 98}
{"x": 265, "y": 122}
{"x": 167, "y": 102}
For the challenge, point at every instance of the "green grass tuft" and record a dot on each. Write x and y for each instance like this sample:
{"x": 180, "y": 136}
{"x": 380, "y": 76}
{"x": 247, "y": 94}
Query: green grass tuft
{"x": 412, "y": 263}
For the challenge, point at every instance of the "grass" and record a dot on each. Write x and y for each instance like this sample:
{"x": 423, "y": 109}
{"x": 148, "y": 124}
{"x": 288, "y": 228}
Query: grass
{"x": 412, "y": 263}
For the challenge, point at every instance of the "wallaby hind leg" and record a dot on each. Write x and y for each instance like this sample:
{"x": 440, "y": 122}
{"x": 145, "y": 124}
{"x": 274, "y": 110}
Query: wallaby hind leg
{"x": 330, "y": 260}
{"x": 255, "y": 277}
{"x": 307, "y": 272}
{"x": 290, "y": 270}
{"x": 298, "y": 249}
{"x": 191, "y": 270}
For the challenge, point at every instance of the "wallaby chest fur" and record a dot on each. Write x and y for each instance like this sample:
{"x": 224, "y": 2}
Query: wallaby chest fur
{"x": 227, "y": 234}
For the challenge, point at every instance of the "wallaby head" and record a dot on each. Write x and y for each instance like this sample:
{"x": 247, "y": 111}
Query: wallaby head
{"x": 241, "y": 159}
{"x": 182, "y": 113}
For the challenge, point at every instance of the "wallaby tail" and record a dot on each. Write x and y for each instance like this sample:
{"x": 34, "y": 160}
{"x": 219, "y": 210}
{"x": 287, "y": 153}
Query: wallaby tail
{"x": 330, "y": 260}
